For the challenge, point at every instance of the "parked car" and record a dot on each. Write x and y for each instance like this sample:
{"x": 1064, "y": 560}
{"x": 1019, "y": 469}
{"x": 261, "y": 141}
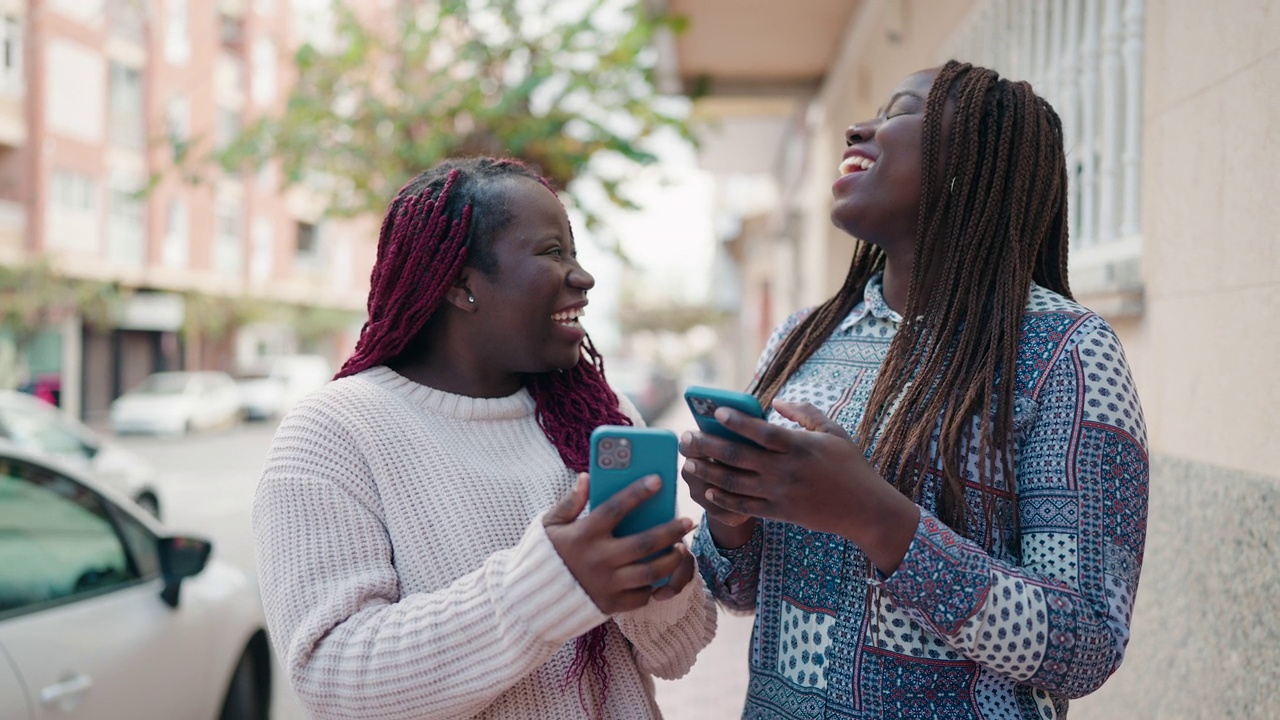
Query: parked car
{"x": 299, "y": 376}
{"x": 176, "y": 403}
{"x": 261, "y": 396}
{"x": 106, "y": 614}
{"x": 31, "y": 423}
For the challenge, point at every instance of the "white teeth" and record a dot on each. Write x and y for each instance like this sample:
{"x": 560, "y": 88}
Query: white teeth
{"x": 856, "y": 163}
{"x": 568, "y": 317}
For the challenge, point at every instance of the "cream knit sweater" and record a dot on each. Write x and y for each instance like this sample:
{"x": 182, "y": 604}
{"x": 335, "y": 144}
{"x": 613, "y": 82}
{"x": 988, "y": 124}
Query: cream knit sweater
{"x": 406, "y": 573}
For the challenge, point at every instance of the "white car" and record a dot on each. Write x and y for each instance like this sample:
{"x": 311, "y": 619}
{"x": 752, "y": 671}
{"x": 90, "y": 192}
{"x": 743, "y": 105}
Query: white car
{"x": 31, "y": 423}
{"x": 176, "y": 403}
{"x": 104, "y": 614}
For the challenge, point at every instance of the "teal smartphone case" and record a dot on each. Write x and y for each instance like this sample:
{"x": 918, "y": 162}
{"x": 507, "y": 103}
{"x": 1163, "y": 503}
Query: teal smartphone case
{"x": 703, "y": 402}
{"x": 620, "y": 455}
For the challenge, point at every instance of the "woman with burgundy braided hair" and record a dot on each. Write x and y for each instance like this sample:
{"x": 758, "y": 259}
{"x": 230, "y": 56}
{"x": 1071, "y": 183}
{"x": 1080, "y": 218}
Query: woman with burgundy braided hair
{"x": 946, "y": 513}
{"x": 419, "y": 527}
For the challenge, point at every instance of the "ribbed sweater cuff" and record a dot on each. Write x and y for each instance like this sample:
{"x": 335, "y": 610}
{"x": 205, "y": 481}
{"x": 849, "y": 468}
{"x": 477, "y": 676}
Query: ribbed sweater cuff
{"x": 543, "y": 592}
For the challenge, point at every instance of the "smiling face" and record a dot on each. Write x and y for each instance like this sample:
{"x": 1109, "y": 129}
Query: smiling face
{"x": 877, "y": 196}
{"x": 527, "y": 307}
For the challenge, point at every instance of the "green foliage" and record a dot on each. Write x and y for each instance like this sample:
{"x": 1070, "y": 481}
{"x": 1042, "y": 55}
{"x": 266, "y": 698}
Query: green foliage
{"x": 33, "y": 296}
{"x": 572, "y": 95}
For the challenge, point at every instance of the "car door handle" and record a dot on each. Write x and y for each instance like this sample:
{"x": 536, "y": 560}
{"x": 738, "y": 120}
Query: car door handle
{"x": 67, "y": 693}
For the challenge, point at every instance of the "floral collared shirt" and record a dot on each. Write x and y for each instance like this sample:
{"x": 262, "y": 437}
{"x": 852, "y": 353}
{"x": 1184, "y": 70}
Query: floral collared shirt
{"x": 958, "y": 631}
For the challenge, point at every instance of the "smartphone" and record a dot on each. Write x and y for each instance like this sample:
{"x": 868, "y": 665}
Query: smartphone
{"x": 703, "y": 402}
{"x": 620, "y": 455}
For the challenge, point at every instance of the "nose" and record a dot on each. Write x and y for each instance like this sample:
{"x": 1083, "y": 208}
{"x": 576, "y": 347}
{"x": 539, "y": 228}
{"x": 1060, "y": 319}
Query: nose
{"x": 579, "y": 278}
{"x": 860, "y": 131}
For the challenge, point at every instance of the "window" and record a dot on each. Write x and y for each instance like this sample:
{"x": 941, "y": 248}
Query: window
{"x": 128, "y": 127}
{"x": 228, "y": 250}
{"x": 1084, "y": 57}
{"x": 177, "y": 117}
{"x": 176, "y": 249}
{"x": 42, "y": 430}
{"x": 228, "y": 128}
{"x": 126, "y": 221}
{"x": 308, "y": 245}
{"x": 260, "y": 261}
{"x": 57, "y": 540}
{"x": 73, "y": 192}
{"x": 72, "y": 215}
{"x": 127, "y": 20}
{"x": 11, "y": 78}
{"x": 75, "y": 90}
{"x": 177, "y": 32}
{"x": 264, "y": 71}
{"x": 89, "y": 12}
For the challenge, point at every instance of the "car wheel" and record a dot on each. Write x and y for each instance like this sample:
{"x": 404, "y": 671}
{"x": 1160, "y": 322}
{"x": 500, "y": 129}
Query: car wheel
{"x": 244, "y": 700}
{"x": 149, "y": 502}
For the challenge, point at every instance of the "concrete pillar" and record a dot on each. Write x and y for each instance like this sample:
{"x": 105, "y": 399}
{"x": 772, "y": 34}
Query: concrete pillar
{"x": 72, "y": 364}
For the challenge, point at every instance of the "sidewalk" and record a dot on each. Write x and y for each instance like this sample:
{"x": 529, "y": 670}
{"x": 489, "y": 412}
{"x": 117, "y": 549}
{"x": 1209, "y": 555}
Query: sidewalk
{"x": 716, "y": 686}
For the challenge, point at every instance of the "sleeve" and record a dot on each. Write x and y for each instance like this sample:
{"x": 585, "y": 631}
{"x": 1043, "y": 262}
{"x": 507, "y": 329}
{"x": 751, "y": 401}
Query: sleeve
{"x": 352, "y": 645}
{"x": 732, "y": 576}
{"x": 667, "y": 635}
{"x": 1059, "y": 620}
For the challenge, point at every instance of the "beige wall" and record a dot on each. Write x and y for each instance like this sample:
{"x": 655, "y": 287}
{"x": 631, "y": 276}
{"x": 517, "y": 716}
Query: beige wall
{"x": 1212, "y": 136}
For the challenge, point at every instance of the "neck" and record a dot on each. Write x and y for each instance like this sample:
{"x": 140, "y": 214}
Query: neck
{"x": 451, "y": 367}
{"x": 897, "y": 279}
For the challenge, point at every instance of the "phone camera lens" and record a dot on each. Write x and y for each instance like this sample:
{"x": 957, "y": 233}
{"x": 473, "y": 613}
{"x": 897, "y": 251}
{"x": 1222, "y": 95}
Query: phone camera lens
{"x": 606, "y": 444}
{"x": 624, "y": 454}
{"x": 606, "y": 461}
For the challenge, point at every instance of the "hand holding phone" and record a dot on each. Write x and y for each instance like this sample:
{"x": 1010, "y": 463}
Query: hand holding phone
{"x": 703, "y": 402}
{"x": 621, "y": 455}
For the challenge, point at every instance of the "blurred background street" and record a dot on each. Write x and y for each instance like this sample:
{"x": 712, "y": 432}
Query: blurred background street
{"x": 190, "y": 195}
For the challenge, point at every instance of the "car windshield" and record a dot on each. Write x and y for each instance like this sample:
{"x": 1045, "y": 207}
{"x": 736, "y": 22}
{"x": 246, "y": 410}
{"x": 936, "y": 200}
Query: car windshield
{"x": 164, "y": 384}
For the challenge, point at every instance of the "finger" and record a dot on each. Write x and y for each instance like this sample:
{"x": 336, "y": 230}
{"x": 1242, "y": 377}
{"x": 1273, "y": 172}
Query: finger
{"x": 727, "y": 478}
{"x": 570, "y": 505}
{"x": 687, "y": 447}
{"x": 810, "y": 418}
{"x": 703, "y": 446}
{"x": 634, "y": 548}
{"x": 607, "y": 515}
{"x": 761, "y": 432}
{"x": 740, "y": 504}
{"x": 681, "y": 577}
{"x": 649, "y": 573}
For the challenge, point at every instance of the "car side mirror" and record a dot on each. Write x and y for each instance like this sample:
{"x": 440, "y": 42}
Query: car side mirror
{"x": 180, "y": 558}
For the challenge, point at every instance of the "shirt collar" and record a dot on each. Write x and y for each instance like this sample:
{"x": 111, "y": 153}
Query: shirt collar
{"x": 873, "y": 303}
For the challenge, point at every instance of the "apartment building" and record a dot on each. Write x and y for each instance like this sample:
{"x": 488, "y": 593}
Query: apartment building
{"x": 1170, "y": 110}
{"x": 94, "y": 96}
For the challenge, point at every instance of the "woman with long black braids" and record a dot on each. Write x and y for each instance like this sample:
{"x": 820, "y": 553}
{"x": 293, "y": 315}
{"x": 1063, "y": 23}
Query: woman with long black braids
{"x": 947, "y": 513}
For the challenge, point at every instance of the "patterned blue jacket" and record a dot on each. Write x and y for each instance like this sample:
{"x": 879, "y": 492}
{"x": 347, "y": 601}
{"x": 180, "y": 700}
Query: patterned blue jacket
{"x": 958, "y": 631}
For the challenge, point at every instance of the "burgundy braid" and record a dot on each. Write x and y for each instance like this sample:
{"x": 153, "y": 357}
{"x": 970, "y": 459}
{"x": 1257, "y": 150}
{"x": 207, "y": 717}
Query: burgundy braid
{"x": 421, "y": 250}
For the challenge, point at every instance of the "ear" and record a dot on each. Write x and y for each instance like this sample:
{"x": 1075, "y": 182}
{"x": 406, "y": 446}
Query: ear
{"x": 460, "y": 296}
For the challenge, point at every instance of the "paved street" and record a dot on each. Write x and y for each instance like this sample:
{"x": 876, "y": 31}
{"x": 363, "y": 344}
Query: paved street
{"x": 207, "y": 488}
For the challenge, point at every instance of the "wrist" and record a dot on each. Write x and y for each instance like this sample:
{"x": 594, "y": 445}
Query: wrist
{"x": 892, "y": 533}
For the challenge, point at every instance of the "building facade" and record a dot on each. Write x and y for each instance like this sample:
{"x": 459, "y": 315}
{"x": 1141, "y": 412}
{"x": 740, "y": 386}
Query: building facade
{"x": 1171, "y": 112}
{"x": 95, "y": 95}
